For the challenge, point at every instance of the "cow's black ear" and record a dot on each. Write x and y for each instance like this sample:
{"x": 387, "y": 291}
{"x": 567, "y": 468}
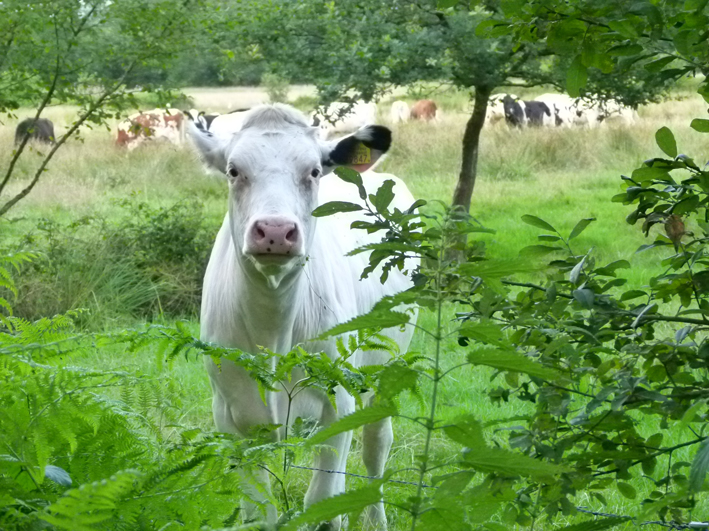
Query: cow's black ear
{"x": 362, "y": 150}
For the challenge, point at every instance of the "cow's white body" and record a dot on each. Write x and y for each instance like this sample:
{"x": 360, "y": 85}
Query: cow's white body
{"x": 226, "y": 125}
{"x": 359, "y": 115}
{"x": 561, "y": 106}
{"x": 399, "y": 112}
{"x": 615, "y": 113}
{"x": 495, "y": 113}
{"x": 248, "y": 303}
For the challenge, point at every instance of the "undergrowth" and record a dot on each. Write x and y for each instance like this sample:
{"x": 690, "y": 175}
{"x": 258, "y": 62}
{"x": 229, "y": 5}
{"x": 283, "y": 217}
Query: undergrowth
{"x": 146, "y": 262}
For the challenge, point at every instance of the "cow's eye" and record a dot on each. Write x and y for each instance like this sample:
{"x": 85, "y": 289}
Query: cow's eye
{"x": 315, "y": 172}
{"x": 232, "y": 172}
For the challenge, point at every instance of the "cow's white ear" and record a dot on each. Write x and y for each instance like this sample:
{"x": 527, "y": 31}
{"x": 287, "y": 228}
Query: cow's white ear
{"x": 212, "y": 149}
{"x": 360, "y": 151}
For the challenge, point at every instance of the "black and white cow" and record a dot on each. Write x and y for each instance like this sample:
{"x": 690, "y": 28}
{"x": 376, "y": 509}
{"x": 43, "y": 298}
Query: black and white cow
{"x": 41, "y": 130}
{"x": 515, "y": 114}
{"x": 538, "y": 114}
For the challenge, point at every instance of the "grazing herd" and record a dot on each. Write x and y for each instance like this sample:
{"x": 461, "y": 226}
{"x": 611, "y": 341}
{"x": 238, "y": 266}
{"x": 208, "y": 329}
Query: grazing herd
{"x": 557, "y": 110}
{"x": 169, "y": 125}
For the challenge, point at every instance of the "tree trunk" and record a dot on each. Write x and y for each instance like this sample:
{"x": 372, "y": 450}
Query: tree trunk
{"x": 471, "y": 145}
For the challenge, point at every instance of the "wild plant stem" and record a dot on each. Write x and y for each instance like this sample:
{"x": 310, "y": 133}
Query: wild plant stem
{"x": 434, "y": 395}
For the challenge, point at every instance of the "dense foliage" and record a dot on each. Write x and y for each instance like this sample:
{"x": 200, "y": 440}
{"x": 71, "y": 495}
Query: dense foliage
{"x": 145, "y": 262}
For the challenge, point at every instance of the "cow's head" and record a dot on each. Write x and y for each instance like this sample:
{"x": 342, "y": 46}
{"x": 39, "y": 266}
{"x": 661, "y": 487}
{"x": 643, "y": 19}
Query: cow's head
{"x": 273, "y": 166}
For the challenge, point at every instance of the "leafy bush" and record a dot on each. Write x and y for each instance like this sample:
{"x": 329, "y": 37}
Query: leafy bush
{"x": 276, "y": 87}
{"x": 149, "y": 261}
{"x": 95, "y": 450}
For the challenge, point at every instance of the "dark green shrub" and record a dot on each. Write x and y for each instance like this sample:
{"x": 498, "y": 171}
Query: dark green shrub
{"x": 150, "y": 261}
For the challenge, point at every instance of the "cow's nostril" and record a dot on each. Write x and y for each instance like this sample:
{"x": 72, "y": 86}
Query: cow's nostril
{"x": 260, "y": 233}
{"x": 292, "y": 235}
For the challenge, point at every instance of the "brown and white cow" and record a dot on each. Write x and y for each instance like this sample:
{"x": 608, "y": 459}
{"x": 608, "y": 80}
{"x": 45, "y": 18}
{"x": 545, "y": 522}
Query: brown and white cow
{"x": 424, "y": 110}
{"x": 146, "y": 126}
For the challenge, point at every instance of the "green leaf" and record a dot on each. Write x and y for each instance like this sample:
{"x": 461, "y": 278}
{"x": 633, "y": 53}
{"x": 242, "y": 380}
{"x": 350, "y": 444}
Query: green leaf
{"x": 505, "y": 360}
{"x": 576, "y": 78}
{"x": 576, "y": 271}
{"x": 701, "y": 125}
{"x": 491, "y": 271}
{"x": 444, "y": 4}
{"x": 624, "y": 27}
{"x": 647, "y": 173}
{"x": 466, "y": 431}
{"x": 598, "y": 524}
{"x": 585, "y": 297}
{"x": 684, "y": 40}
{"x": 658, "y": 64}
{"x": 384, "y": 196}
{"x": 627, "y": 490}
{"x": 690, "y": 414}
{"x": 610, "y": 269}
{"x": 335, "y": 207}
{"x": 396, "y": 378}
{"x": 538, "y": 222}
{"x": 622, "y": 50}
{"x": 351, "y": 176}
{"x": 484, "y": 331}
{"x": 689, "y": 204}
{"x": 377, "y": 318}
{"x": 666, "y": 141}
{"x": 632, "y": 294}
{"x": 580, "y": 227}
{"x": 350, "y": 502}
{"x": 357, "y": 419}
{"x": 58, "y": 475}
{"x": 700, "y": 464}
{"x": 508, "y": 463}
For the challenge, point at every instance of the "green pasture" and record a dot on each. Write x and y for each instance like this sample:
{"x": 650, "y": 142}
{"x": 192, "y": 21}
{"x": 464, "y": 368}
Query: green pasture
{"x": 560, "y": 175}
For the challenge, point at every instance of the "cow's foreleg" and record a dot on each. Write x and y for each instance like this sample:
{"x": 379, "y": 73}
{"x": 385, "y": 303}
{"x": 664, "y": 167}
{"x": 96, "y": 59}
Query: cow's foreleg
{"x": 332, "y": 456}
{"x": 377, "y": 439}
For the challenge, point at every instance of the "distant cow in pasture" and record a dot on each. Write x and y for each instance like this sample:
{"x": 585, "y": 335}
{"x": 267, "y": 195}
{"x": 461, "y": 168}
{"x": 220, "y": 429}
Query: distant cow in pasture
{"x": 399, "y": 112}
{"x": 495, "y": 110}
{"x": 538, "y": 114}
{"x": 225, "y": 125}
{"x": 340, "y": 117}
{"x": 561, "y": 107}
{"x": 515, "y": 114}
{"x": 148, "y": 126}
{"x": 201, "y": 118}
{"x": 41, "y": 130}
{"x": 615, "y": 113}
{"x": 278, "y": 277}
{"x": 426, "y": 110}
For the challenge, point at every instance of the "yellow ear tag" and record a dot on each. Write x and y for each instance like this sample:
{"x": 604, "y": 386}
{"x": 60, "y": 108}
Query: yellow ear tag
{"x": 362, "y": 155}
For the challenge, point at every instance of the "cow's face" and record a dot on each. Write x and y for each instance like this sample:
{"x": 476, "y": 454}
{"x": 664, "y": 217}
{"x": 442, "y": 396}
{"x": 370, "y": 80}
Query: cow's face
{"x": 274, "y": 166}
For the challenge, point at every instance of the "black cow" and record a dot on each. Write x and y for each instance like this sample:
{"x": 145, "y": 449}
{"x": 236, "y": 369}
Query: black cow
{"x": 535, "y": 111}
{"x": 514, "y": 111}
{"x": 41, "y": 130}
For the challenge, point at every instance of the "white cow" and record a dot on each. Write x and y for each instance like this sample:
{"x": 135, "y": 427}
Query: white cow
{"x": 562, "y": 107}
{"x": 615, "y": 113}
{"x": 587, "y": 112}
{"x": 495, "y": 110}
{"x": 276, "y": 279}
{"x": 337, "y": 119}
{"x": 399, "y": 112}
{"x": 225, "y": 125}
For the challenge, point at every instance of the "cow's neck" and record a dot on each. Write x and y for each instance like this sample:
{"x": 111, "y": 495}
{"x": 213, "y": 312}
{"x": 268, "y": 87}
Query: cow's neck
{"x": 268, "y": 313}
